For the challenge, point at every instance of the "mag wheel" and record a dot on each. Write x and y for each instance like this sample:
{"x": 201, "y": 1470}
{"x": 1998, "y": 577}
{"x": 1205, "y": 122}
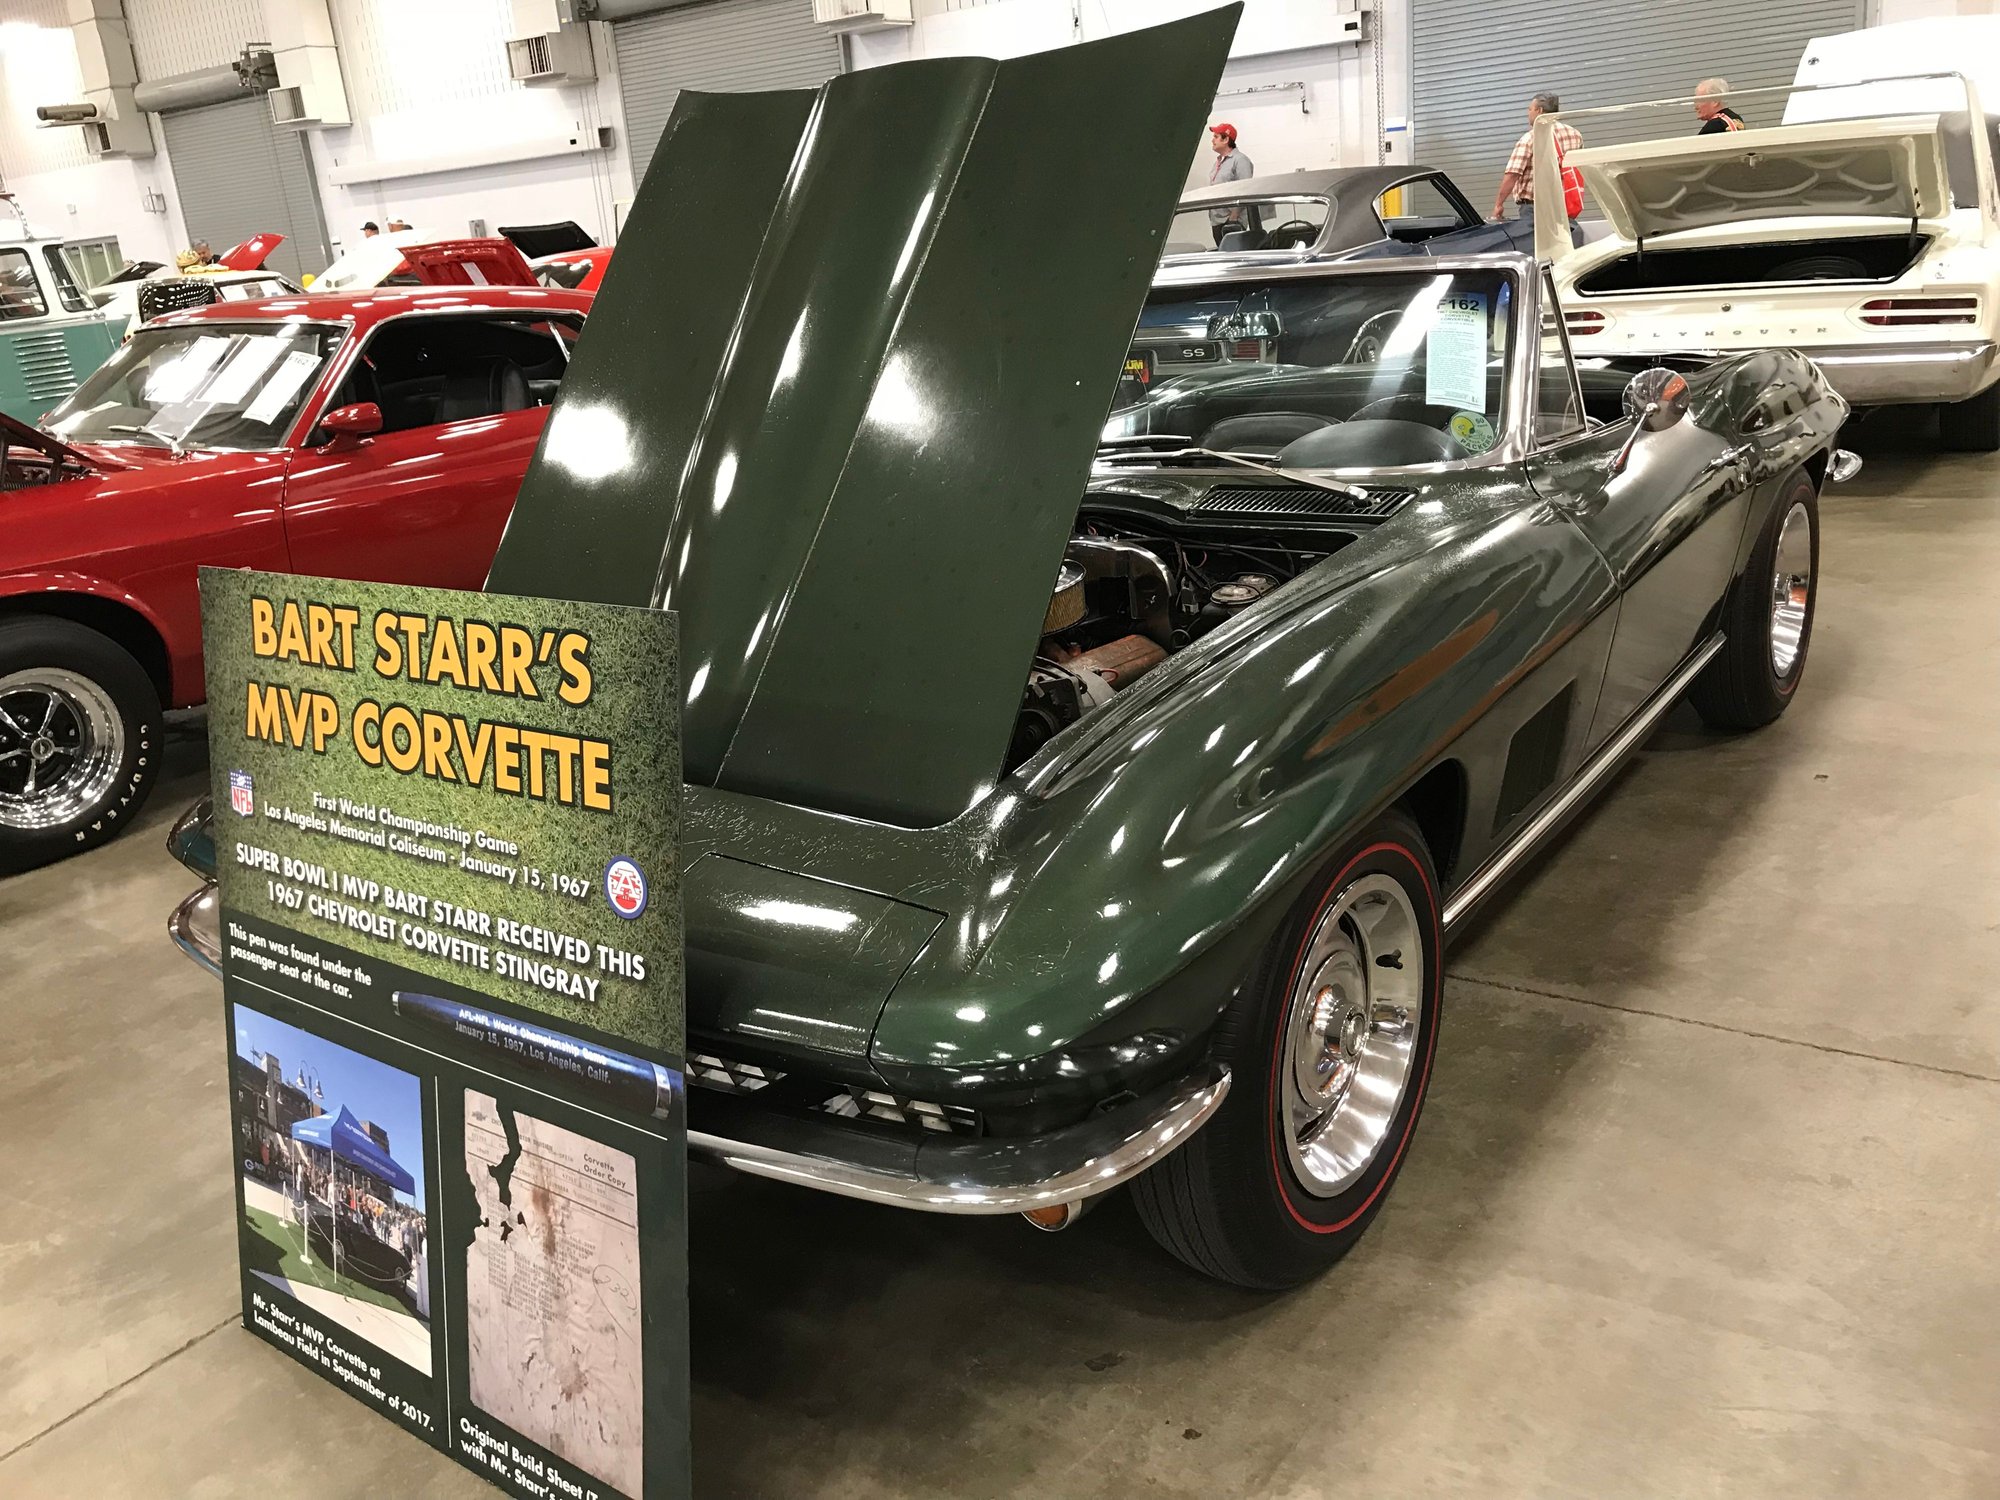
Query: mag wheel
{"x": 1330, "y": 1048}
{"x": 1767, "y": 619}
{"x": 79, "y": 740}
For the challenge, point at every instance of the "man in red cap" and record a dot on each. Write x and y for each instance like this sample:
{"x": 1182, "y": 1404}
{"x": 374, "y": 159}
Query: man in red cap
{"x": 1231, "y": 165}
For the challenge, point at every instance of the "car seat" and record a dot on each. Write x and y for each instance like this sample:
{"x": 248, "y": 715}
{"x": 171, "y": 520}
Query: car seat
{"x": 1371, "y": 443}
{"x": 1263, "y": 432}
{"x": 496, "y": 386}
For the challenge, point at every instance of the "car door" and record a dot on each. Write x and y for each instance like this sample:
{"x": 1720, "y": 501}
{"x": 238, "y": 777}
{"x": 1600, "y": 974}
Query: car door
{"x": 1668, "y": 524}
{"x": 424, "y": 500}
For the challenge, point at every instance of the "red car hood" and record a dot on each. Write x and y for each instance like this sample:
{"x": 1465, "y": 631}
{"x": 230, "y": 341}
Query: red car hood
{"x": 252, "y": 253}
{"x": 487, "y": 262}
{"x": 16, "y": 433}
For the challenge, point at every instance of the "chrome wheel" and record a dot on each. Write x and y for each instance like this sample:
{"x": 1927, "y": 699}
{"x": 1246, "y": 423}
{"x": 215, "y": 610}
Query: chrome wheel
{"x": 62, "y": 744}
{"x": 1791, "y": 589}
{"x": 1351, "y": 1034}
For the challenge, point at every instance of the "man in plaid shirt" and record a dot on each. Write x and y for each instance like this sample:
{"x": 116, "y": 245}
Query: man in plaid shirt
{"x": 1517, "y": 183}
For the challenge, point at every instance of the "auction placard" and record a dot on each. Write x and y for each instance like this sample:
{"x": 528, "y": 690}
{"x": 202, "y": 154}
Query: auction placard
{"x": 447, "y": 834}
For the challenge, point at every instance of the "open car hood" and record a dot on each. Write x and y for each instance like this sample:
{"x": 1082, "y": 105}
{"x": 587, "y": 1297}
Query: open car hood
{"x": 842, "y": 414}
{"x": 370, "y": 261}
{"x": 486, "y": 262}
{"x": 1877, "y": 168}
{"x": 15, "y": 433}
{"x": 252, "y": 253}
{"x": 539, "y": 240}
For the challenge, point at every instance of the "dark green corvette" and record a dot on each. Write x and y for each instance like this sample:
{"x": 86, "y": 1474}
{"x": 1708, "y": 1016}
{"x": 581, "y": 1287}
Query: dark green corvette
{"x": 1069, "y": 801}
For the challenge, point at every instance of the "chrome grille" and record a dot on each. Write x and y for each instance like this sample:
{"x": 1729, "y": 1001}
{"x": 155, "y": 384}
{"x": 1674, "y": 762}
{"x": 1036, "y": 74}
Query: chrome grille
{"x": 1245, "y": 500}
{"x": 45, "y": 365}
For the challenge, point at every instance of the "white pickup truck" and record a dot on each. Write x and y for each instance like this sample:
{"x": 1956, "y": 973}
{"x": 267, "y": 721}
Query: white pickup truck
{"x": 1864, "y": 230}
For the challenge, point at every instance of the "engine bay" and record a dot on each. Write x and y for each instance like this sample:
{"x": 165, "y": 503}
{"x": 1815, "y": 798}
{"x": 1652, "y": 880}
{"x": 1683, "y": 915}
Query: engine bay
{"x": 1130, "y": 594}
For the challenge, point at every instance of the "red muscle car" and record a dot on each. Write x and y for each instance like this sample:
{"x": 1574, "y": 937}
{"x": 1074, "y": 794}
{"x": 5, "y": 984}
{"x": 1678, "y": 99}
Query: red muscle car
{"x": 380, "y": 435}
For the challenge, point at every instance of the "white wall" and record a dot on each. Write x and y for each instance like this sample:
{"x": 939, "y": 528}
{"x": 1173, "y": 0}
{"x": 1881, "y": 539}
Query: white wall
{"x": 1886, "y": 12}
{"x": 426, "y": 80}
{"x": 1277, "y": 42}
{"x": 48, "y": 170}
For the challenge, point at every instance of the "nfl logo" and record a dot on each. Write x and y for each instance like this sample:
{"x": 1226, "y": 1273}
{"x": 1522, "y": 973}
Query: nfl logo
{"x": 240, "y": 793}
{"x": 625, "y": 887}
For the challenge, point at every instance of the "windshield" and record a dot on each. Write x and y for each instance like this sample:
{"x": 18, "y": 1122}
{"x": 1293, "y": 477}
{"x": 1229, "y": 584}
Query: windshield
{"x": 66, "y": 287}
{"x": 1345, "y": 371}
{"x": 1261, "y": 223}
{"x": 216, "y": 385}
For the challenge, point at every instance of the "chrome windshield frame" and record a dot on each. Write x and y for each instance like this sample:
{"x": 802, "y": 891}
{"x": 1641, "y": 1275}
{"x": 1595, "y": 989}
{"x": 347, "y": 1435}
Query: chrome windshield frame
{"x": 1516, "y": 438}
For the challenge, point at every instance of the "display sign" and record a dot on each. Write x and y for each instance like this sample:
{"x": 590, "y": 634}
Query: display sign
{"x": 447, "y": 841}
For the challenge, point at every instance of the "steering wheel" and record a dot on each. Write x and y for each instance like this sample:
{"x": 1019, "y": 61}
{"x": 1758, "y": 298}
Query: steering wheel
{"x": 1302, "y": 231}
{"x": 1370, "y": 338}
{"x": 1407, "y": 408}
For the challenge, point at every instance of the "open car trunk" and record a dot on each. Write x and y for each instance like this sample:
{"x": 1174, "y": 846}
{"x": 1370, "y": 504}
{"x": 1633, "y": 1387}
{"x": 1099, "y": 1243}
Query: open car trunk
{"x": 1873, "y": 257}
{"x": 1868, "y": 170}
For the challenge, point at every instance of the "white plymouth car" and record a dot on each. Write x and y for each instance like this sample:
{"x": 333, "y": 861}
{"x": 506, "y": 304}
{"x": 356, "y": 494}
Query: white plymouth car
{"x": 1864, "y": 230}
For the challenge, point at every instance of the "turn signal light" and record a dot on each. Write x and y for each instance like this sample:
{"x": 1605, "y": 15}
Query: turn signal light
{"x": 1055, "y": 1217}
{"x": 1582, "y": 322}
{"x": 1902, "y": 312}
{"x": 1246, "y": 349}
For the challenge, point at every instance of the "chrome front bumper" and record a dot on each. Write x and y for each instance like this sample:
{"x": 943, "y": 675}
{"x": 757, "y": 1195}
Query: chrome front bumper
{"x": 1887, "y": 375}
{"x": 938, "y": 1173}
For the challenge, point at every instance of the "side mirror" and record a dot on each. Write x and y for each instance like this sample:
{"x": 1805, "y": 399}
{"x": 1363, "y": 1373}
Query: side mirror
{"x": 346, "y": 426}
{"x": 1657, "y": 397}
{"x": 1655, "y": 400}
{"x": 1229, "y": 327}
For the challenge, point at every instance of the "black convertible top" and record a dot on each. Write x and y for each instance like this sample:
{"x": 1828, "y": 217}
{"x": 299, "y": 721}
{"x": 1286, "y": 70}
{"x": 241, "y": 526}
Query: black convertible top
{"x": 1351, "y": 192}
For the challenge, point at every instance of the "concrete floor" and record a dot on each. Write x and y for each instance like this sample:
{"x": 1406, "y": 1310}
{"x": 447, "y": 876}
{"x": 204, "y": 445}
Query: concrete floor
{"x": 1703, "y": 1204}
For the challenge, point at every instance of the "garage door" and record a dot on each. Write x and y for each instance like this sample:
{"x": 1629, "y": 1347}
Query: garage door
{"x": 731, "y": 46}
{"x": 1478, "y": 62}
{"x": 239, "y": 175}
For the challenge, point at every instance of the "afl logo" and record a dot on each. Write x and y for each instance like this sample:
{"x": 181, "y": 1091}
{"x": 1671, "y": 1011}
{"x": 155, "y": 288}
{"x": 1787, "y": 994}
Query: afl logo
{"x": 625, "y": 887}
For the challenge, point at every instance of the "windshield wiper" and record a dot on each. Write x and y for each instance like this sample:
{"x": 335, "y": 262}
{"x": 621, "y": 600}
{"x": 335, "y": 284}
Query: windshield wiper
{"x": 1136, "y": 451}
{"x": 173, "y": 443}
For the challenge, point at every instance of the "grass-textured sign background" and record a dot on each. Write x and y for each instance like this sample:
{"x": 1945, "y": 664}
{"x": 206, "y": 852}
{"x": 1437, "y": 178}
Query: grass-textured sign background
{"x": 564, "y": 850}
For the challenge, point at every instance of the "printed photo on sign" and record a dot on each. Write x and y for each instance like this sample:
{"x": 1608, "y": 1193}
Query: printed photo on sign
{"x": 553, "y": 1331}
{"x": 330, "y": 1148}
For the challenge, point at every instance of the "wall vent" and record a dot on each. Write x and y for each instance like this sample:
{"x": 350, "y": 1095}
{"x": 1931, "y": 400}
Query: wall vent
{"x": 863, "y": 15}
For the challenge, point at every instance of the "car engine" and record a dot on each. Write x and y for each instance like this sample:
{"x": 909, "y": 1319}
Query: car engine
{"x": 1126, "y": 599}
{"x": 23, "y": 468}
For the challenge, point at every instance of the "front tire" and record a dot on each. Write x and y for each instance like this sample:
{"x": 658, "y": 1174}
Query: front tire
{"x": 1330, "y": 1045}
{"x": 1972, "y": 426}
{"x": 1767, "y": 620}
{"x": 80, "y": 732}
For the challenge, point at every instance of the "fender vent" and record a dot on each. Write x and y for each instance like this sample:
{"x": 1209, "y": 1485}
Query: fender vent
{"x": 1534, "y": 757}
{"x": 1256, "y": 500}
{"x": 726, "y": 1075}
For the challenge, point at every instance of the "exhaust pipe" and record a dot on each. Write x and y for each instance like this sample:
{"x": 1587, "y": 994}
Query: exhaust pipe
{"x": 1059, "y": 1216}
